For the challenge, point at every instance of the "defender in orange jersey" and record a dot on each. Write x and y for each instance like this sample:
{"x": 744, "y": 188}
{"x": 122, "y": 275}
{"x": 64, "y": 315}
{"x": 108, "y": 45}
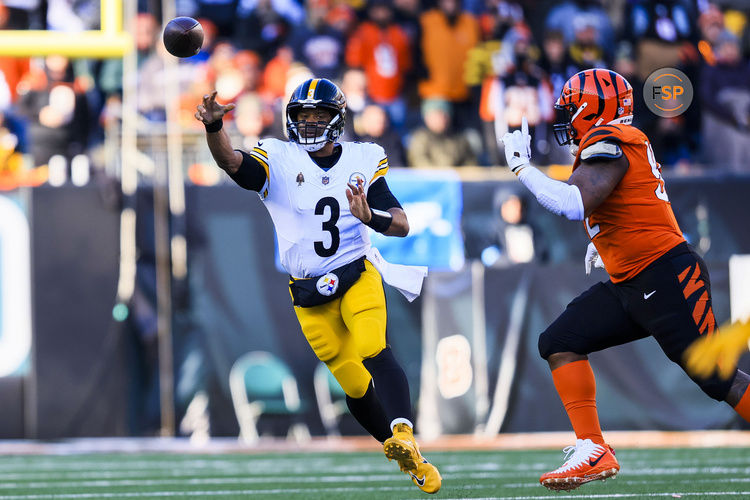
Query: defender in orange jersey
{"x": 658, "y": 285}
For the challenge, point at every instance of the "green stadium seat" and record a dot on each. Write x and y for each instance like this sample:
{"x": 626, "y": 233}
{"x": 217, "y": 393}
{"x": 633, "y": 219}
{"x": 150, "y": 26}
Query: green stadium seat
{"x": 262, "y": 384}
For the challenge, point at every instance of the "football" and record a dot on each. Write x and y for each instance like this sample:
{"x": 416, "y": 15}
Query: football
{"x": 183, "y": 36}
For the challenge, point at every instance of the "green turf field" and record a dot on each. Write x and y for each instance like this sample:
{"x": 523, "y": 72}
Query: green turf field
{"x": 671, "y": 473}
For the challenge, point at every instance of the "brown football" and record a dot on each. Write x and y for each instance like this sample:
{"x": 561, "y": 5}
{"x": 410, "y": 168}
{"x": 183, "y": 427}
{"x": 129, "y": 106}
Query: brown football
{"x": 183, "y": 36}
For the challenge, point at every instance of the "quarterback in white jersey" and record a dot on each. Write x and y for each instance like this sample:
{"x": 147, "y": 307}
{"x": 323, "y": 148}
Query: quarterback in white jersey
{"x": 315, "y": 229}
{"x": 321, "y": 194}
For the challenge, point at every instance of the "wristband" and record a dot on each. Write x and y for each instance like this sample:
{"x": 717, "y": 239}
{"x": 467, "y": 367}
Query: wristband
{"x": 380, "y": 221}
{"x": 214, "y": 127}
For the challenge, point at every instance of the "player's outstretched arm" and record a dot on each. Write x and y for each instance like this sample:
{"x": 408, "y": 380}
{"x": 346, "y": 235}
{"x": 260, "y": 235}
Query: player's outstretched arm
{"x": 557, "y": 197}
{"x": 597, "y": 179}
{"x": 586, "y": 189}
{"x": 210, "y": 113}
{"x": 392, "y": 222}
{"x": 719, "y": 352}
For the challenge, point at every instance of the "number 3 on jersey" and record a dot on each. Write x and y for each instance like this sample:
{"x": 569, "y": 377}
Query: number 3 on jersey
{"x": 329, "y": 225}
{"x": 660, "y": 191}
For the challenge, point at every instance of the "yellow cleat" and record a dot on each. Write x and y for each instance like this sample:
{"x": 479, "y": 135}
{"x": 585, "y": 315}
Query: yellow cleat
{"x": 403, "y": 448}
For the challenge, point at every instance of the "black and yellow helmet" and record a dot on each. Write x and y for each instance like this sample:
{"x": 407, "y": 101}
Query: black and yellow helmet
{"x": 316, "y": 93}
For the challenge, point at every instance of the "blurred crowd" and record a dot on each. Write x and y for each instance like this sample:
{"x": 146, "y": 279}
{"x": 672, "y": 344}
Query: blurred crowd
{"x": 433, "y": 81}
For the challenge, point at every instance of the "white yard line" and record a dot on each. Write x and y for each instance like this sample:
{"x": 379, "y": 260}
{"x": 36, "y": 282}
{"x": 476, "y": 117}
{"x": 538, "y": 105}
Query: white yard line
{"x": 307, "y": 491}
{"x": 202, "y": 494}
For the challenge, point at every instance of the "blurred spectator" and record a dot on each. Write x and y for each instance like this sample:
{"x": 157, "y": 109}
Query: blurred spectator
{"x": 222, "y": 13}
{"x": 354, "y": 87}
{"x": 556, "y": 62}
{"x": 515, "y": 237}
{"x": 373, "y": 126}
{"x": 557, "y": 67}
{"x": 251, "y": 120}
{"x": 275, "y": 72}
{"x": 485, "y": 62}
{"x": 151, "y": 86}
{"x": 586, "y": 51}
{"x": 243, "y": 76}
{"x": 725, "y": 99}
{"x": 436, "y": 144}
{"x": 498, "y": 18}
{"x": 626, "y": 66}
{"x": 517, "y": 91}
{"x": 567, "y": 18}
{"x": 663, "y": 34}
{"x": 65, "y": 15}
{"x": 12, "y": 68}
{"x": 406, "y": 14}
{"x": 316, "y": 44}
{"x": 447, "y": 36}
{"x": 711, "y": 25}
{"x": 381, "y": 48}
{"x": 262, "y": 25}
{"x": 56, "y": 108}
{"x": 13, "y": 171}
{"x": 343, "y": 19}
{"x": 24, "y": 14}
{"x": 146, "y": 33}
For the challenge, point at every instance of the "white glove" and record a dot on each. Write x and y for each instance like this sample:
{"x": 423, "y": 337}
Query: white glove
{"x": 518, "y": 147}
{"x": 592, "y": 257}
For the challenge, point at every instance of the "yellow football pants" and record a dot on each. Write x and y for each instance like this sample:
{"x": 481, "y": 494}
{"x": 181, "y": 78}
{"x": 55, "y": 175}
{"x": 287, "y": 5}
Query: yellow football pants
{"x": 347, "y": 330}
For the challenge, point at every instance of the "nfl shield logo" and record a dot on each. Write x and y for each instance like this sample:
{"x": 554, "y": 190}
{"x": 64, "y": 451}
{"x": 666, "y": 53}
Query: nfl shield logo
{"x": 325, "y": 180}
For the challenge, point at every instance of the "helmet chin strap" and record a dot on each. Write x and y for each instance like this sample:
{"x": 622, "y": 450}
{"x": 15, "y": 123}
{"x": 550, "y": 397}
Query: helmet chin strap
{"x": 311, "y": 148}
{"x": 318, "y": 142}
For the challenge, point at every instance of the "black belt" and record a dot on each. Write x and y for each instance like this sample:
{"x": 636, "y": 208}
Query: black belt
{"x": 318, "y": 290}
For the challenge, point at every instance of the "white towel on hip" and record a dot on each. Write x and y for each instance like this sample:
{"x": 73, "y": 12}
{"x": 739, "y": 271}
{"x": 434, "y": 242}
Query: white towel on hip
{"x": 406, "y": 279}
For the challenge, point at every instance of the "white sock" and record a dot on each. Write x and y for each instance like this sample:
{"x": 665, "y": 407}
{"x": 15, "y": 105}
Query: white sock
{"x": 401, "y": 421}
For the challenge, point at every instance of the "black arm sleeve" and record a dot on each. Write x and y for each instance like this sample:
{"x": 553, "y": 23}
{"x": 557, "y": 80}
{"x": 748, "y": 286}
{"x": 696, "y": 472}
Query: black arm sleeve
{"x": 251, "y": 174}
{"x": 380, "y": 197}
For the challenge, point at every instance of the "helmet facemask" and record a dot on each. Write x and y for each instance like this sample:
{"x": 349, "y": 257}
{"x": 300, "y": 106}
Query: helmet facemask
{"x": 313, "y": 136}
{"x": 563, "y": 126}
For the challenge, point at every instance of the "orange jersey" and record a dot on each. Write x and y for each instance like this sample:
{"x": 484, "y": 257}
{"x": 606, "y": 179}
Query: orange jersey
{"x": 635, "y": 224}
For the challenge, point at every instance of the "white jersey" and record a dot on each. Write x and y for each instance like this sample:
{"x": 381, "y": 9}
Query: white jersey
{"x": 315, "y": 230}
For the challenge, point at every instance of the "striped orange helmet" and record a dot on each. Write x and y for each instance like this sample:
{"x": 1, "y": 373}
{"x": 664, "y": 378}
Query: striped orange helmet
{"x": 590, "y": 98}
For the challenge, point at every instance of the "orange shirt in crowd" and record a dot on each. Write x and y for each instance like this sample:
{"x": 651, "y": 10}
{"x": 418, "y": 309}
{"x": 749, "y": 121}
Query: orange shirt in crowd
{"x": 384, "y": 55}
{"x": 635, "y": 224}
{"x": 444, "y": 51}
{"x": 14, "y": 68}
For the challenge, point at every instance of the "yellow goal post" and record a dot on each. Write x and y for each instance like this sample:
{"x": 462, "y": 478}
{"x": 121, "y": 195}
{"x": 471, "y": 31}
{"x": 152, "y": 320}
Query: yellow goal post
{"x": 111, "y": 41}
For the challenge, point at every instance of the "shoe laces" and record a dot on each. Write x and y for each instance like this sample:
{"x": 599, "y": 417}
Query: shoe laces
{"x": 579, "y": 453}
